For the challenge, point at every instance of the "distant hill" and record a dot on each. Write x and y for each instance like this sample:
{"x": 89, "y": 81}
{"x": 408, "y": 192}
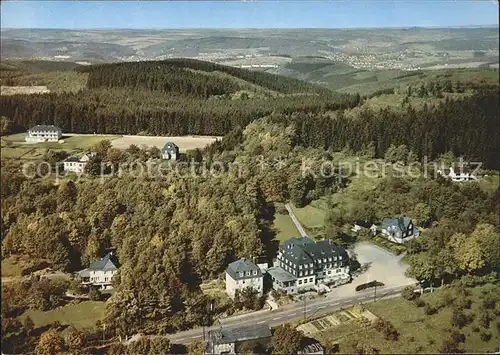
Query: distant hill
{"x": 342, "y": 77}
{"x": 58, "y": 76}
{"x": 193, "y": 77}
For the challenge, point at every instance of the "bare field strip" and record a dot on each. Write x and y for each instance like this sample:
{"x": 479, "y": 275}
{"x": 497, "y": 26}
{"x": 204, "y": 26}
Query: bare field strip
{"x": 184, "y": 142}
{"x": 13, "y": 90}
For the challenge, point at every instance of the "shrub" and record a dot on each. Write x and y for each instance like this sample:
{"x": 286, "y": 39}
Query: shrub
{"x": 484, "y": 319}
{"x": 458, "y": 319}
{"x": 368, "y": 285}
{"x": 462, "y": 302}
{"x": 429, "y": 310}
{"x": 457, "y": 337}
{"x": 419, "y": 302}
{"x": 386, "y": 328}
{"x": 485, "y": 335}
{"x": 409, "y": 294}
{"x": 94, "y": 294}
{"x": 450, "y": 346}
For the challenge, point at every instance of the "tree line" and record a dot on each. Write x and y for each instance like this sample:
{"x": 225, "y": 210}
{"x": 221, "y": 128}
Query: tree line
{"x": 467, "y": 127}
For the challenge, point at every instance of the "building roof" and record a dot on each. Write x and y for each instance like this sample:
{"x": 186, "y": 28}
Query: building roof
{"x": 45, "y": 128}
{"x": 240, "y": 267}
{"x": 310, "y": 346}
{"x": 298, "y": 255}
{"x": 401, "y": 223}
{"x": 170, "y": 146}
{"x": 280, "y": 274}
{"x": 290, "y": 243}
{"x": 308, "y": 251}
{"x": 80, "y": 159}
{"x": 363, "y": 223}
{"x": 107, "y": 263}
{"x": 233, "y": 335}
{"x": 73, "y": 159}
{"x": 324, "y": 249}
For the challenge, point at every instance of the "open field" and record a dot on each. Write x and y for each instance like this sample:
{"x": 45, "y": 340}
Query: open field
{"x": 284, "y": 227}
{"x": 312, "y": 216}
{"x": 80, "y": 315}
{"x": 184, "y": 143}
{"x": 14, "y": 146}
{"x": 13, "y": 90}
{"x": 419, "y": 333}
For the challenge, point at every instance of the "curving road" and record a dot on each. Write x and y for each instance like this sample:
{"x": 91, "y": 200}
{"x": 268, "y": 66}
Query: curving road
{"x": 289, "y": 312}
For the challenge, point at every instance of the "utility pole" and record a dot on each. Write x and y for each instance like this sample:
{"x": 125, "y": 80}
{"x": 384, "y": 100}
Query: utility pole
{"x": 304, "y": 307}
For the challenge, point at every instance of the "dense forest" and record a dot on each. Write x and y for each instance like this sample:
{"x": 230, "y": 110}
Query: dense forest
{"x": 131, "y": 98}
{"x": 189, "y": 76}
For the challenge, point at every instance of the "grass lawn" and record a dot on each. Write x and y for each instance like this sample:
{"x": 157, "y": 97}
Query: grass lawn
{"x": 311, "y": 216}
{"x": 82, "y": 315}
{"x": 419, "y": 333}
{"x": 13, "y": 147}
{"x": 285, "y": 228}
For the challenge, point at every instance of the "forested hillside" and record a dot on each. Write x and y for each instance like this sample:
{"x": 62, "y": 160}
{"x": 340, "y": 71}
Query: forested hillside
{"x": 178, "y": 76}
{"x": 178, "y": 97}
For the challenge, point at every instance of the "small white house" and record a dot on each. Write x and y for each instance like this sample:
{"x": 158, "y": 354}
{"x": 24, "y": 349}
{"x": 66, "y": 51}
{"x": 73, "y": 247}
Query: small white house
{"x": 462, "y": 174}
{"x": 242, "y": 274}
{"x": 77, "y": 164}
{"x": 100, "y": 273}
{"x": 44, "y": 133}
{"x": 362, "y": 225}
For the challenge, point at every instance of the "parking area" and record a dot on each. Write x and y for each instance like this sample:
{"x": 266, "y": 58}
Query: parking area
{"x": 381, "y": 265}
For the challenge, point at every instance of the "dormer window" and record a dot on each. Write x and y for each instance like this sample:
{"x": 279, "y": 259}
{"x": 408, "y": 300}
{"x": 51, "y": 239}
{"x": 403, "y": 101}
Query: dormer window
{"x": 330, "y": 258}
{"x": 255, "y": 272}
{"x": 324, "y": 260}
{"x": 300, "y": 267}
{"x": 248, "y": 273}
{"x": 242, "y": 274}
{"x": 310, "y": 265}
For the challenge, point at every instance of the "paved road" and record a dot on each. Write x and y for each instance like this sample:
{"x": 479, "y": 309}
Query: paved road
{"x": 295, "y": 220}
{"x": 289, "y": 312}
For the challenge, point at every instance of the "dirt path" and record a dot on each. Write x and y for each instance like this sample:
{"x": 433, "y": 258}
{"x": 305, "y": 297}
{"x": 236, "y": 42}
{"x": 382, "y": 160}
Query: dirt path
{"x": 295, "y": 220}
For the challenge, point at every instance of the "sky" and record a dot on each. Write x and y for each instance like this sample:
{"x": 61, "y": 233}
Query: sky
{"x": 246, "y": 14}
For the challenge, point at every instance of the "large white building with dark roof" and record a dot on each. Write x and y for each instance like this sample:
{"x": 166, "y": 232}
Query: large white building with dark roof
{"x": 303, "y": 263}
{"x": 44, "y": 133}
{"x": 241, "y": 274}
{"x": 100, "y": 273}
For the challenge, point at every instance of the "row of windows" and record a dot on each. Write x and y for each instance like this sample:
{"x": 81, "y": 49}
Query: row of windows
{"x": 305, "y": 281}
{"x": 310, "y": 265}
{"x": 74, "y": 163}
{"x": 249, "y": 273}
